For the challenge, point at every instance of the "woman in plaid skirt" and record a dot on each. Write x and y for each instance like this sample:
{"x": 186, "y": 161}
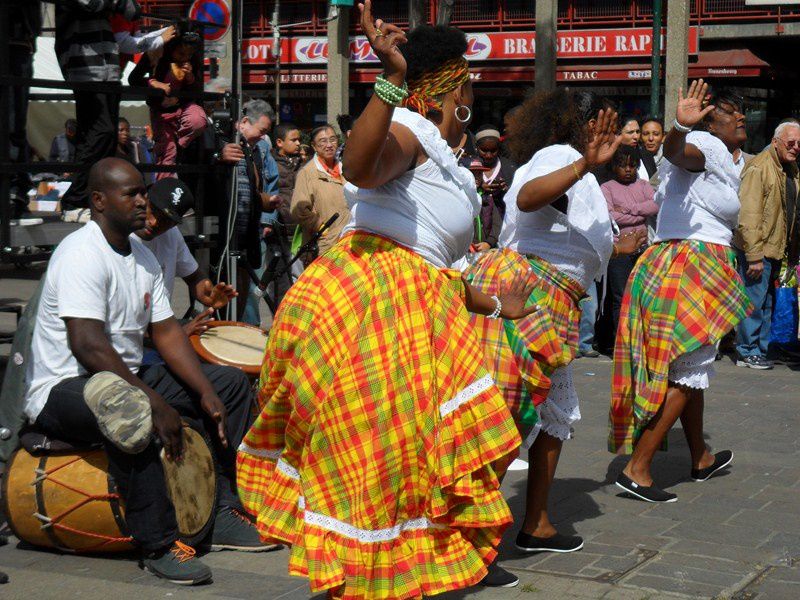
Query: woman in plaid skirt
{"x": 557, "y": 225}
{"x": 374, "y": 453}
{"x": 682, "y": 297}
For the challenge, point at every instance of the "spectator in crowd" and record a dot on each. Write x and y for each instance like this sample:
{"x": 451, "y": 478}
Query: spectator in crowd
{"x": 176, "y": 121}
{"x": 253, "y": 199}
{"x": 630, "y": 131}
{"x": 62, "y": 149}
{"x": 127, "y": 148}
{"x": 650, "y": 147}
{"x": 147, "y": 143}
{"x": 305, "y": 153}
{"x": 490, "y": 221}
{"x": 319, "y": 190}
{"x": 769, "y": 229}
{"x": 630, "y": 201}
{"x": 493, "y": 184}
{"x": 88, "y": 52}
{"x": 25, "y": 24}
{"x": 131, "y": 41}
{"x": 287, "y": 156}
{"x": 345, "y": 123}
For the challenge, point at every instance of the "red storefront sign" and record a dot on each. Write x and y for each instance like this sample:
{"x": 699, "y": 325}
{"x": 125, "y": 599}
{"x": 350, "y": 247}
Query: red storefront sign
{"x": 586, "y": 43}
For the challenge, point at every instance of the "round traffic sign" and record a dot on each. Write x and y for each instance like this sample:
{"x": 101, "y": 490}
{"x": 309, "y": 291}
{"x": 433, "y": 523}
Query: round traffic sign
{"x": 212, "y": 11}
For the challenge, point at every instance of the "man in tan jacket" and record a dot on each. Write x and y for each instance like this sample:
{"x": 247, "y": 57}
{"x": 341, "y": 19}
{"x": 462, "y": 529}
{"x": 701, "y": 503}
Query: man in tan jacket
{"x": 319, "y": 190}
{"x": 769, "y": 224}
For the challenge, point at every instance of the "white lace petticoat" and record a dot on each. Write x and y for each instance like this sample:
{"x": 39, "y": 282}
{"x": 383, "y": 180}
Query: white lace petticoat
{"x": 560, "y": 411}
{"x": 694, "y": 369}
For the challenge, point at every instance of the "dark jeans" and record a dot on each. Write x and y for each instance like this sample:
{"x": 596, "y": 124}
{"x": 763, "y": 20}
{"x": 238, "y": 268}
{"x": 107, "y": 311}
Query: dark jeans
{"x": 97, "y": 115}
{"x": 21, "y": 65}
{"x": 149, "y": 514}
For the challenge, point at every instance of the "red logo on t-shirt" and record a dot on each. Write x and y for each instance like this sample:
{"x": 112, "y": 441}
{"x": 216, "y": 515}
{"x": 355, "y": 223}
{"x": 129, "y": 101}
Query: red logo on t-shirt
{"x": 147, "y": 300}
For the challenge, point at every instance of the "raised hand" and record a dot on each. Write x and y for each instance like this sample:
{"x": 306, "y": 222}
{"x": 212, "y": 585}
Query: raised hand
{"x": 603, "y": 139}
{"x": 515, "y": 296}
{"x": 385, "y": 39}
{"x": 691, "y": 110}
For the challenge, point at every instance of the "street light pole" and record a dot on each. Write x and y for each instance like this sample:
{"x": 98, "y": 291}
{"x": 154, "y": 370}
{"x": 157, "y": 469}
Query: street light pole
{"x": 655, "y": 77}
{"x": 276, "y": 50}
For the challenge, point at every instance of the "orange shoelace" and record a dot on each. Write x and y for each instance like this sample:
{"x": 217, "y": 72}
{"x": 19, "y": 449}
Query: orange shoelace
{"x": 182, "y": 551}
{"x": 242, "y": 516}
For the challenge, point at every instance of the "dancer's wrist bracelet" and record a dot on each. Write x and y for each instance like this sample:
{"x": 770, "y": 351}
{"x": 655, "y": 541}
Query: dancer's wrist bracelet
{"x": 498, "y": 308}
{"x": 390, "y": 93}
{"x": 680, "y": 127}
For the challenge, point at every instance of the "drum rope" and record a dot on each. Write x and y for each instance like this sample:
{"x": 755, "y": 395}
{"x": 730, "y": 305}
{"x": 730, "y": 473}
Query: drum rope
{"x": 55, "y": 521}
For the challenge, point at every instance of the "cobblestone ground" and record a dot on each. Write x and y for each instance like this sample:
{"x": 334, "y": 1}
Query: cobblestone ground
{"x": 735, "y": 536}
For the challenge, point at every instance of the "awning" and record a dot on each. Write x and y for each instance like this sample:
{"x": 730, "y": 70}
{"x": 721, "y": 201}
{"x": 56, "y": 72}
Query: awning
{"x": 716, "y": 63}
{"x": 727, "y": 63}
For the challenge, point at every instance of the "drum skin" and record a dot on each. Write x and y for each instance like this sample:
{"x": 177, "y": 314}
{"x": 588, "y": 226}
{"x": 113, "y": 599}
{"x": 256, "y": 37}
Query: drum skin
{"x": 77, "y": 495}
{"x": 251, "y": 342}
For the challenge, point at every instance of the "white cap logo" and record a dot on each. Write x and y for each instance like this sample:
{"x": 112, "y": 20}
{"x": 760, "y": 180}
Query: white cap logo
{"x": 176, "y": 196}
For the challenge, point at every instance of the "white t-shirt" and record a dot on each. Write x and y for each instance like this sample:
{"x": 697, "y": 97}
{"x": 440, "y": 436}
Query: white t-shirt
{"x": 699, "y": 206}
{"x": 173, "y": 255}
{"x": 578, "y": 243}
{"x": 88, "y": 279}
{"x": 429, "y": 209}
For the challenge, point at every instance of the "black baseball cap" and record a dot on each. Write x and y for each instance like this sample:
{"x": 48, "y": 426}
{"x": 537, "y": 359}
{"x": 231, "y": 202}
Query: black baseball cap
{"x": 172, "y": 197}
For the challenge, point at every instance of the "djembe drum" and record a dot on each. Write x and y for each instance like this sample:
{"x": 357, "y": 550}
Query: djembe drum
{"x": 233, "y": 344}
{"x": 69, "y": 501}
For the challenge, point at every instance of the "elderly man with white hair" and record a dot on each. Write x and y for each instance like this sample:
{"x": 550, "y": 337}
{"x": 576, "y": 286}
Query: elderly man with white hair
{"x": 768, "y": 232}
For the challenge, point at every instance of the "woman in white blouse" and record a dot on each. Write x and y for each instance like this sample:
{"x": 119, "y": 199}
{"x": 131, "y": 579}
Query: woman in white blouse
{"x": 557, "y": 225}
{"x": 682, "y": 297}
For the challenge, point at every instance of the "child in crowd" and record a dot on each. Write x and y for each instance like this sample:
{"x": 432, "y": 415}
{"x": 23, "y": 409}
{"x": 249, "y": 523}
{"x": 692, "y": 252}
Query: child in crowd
{"x": 630, "y": 203}
{"x": 176, "y": 122}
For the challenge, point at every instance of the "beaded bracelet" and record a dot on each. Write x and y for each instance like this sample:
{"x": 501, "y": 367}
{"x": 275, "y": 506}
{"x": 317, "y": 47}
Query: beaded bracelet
{"x": 498, "y": 308}
{"x": 389, "y": 92}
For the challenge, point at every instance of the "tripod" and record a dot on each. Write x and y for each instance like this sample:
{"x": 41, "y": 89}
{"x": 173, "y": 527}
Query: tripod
{"x": 274, "y": 271}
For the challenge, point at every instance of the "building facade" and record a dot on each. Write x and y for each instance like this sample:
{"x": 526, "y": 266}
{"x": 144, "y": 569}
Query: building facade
{"x": 603, "y": 45}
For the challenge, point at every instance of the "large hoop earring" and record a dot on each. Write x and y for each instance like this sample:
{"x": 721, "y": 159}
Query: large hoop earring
{"x": 461, "y": 119}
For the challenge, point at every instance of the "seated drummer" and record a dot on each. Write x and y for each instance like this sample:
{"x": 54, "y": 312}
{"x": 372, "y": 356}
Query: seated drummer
{"x": 102, "y": 291}
{"x": 168, "y": 200}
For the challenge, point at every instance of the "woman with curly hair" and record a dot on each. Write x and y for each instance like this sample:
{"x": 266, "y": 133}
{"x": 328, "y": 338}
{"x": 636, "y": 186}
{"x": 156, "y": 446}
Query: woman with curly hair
{"x": 683, "y": 296}
{"x": 557, "y": 226}
{"x": 373, "y": 454}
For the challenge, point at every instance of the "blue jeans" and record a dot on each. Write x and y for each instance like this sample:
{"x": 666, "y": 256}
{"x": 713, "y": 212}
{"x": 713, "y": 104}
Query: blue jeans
{"x": 588, "y": 317}
{"x": 752, "y": 335}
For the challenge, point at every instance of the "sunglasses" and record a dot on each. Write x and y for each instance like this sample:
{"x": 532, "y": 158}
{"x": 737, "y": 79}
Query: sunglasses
{"x": 790, "y": 144}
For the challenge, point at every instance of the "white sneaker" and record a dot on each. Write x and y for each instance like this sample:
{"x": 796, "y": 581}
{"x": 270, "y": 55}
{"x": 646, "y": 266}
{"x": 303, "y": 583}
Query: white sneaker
{"x": 78, "y": 215}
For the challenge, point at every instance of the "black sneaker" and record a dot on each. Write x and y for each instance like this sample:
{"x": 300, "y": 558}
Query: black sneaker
{"x": 721, "y": 460}
{"x": 648, "y": 494}
{"x": 178, "y": 565}
{"x": 754, "y": 362}
{"x": 233, "y": 530}
{"x": 498, "y": 577}
{"x": 557, "y": 543}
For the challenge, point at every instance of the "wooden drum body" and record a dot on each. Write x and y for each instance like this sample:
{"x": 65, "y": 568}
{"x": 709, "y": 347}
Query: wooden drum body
{"x": 69, "y": 501}
{"x": 233, "y": 344}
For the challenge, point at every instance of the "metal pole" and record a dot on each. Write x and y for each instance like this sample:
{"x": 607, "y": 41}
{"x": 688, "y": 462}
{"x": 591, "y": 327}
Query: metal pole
{"x": 276, "y": 50}
{"x": 236, "y": 109}
{"x": 655, "y": 82}
{"x": 677, "y": 65}
{"x": 5, "y": 150}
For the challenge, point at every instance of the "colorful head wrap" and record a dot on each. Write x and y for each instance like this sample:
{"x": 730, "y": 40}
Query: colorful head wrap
{"x": 422, "y": 92}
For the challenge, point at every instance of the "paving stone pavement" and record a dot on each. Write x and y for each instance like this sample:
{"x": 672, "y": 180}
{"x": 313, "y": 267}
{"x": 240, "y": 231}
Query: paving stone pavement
{"x": 736, "y": 536}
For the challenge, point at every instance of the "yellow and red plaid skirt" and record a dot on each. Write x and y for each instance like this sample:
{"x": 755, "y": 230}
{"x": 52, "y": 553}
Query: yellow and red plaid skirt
{"x": 680, "y": 296}
{"x": 523, "y": 354}
{"x": 372, "y": 454}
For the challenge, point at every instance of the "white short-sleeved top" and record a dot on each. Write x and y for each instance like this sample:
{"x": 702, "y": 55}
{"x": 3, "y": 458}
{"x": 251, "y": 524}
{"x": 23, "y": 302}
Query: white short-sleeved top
{"x": 429, "y": 209}
{"x": 88, "y": 279}
{"x": 578, "y": 243}
{"x": 700, "y": 206}
{"x": 173, "y": 255}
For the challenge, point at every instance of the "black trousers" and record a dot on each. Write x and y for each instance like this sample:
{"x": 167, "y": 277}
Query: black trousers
{"x": 149, "y": 514}
{"x": 619, "y": 270}
{"x": 97, "y": 115}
